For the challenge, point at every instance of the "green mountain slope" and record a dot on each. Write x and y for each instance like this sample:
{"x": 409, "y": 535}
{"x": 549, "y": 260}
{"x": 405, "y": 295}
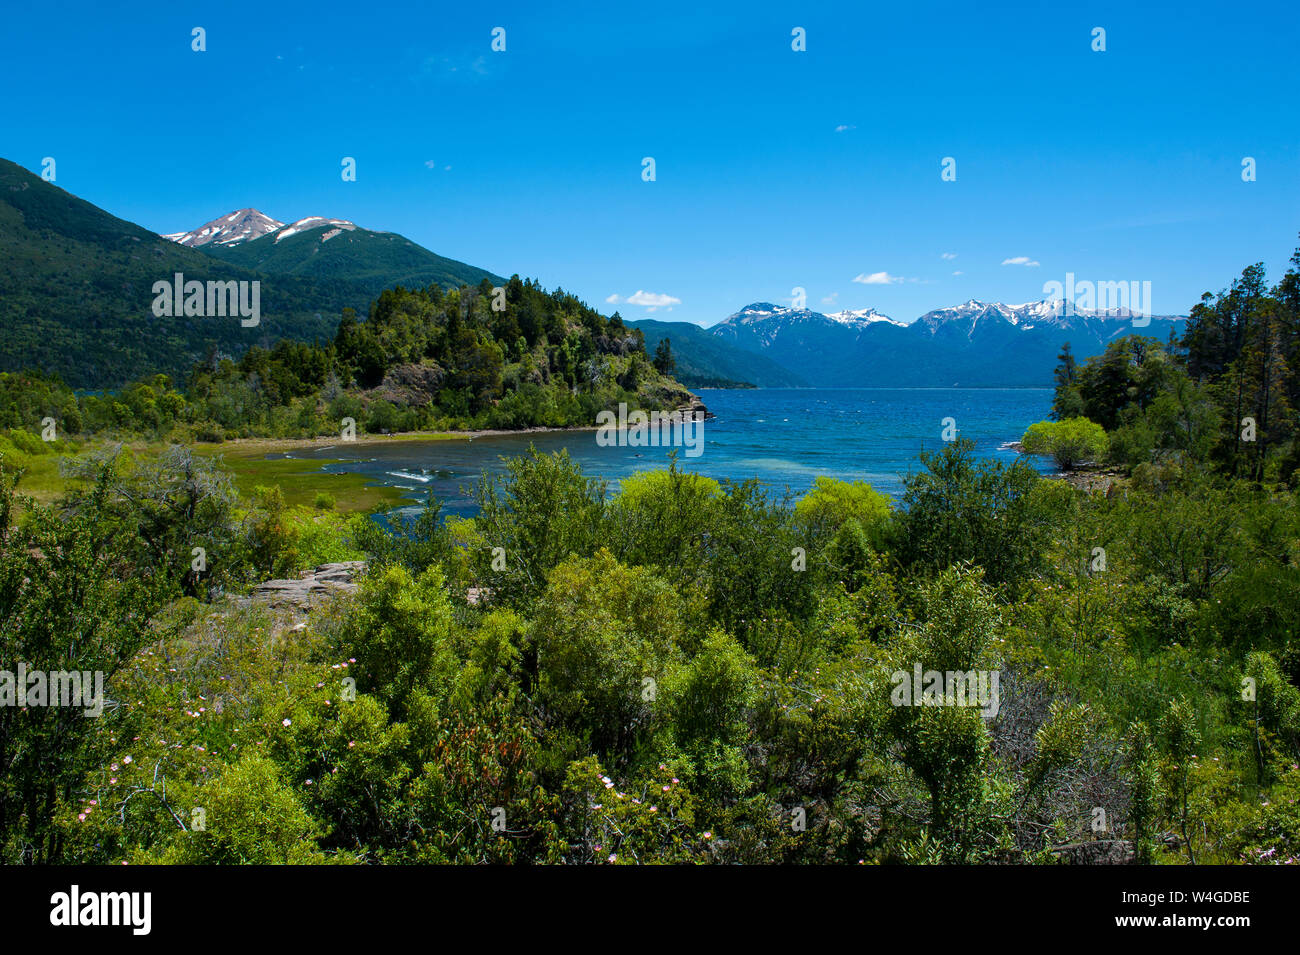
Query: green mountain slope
{"x": 705, "y": 360}
{"x": 76, "y": 292}
{"x": 373, "y": 260}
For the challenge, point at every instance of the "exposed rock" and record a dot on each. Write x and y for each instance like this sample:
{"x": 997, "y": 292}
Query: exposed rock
{"x": 695, "y": 409}
{"x": 1099, "y": 852}
{"x": 478, "y": 595}
{"x": 1104, "y": 480}
{"x": 311, "y": 588}
{"x": 411, "y": 384}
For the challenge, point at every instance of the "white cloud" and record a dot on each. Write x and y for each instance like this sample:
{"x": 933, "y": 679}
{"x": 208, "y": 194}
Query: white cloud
{"x": 959, "y": 273}
{"x": 430, "y": 164}
{"x": 830, "y": 299}
{"x": 614, "y": 299}
{"x": 841, "y": 129}
{"x": 948, "y": 256}
{"x": 1021, "y": 260}
{"x": 878, "y": 278}
{"x": 652, "y": 299}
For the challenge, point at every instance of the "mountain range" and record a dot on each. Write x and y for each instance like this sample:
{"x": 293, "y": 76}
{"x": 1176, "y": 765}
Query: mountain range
{"x": 975, "y": 344}
{"x": 76, "y": 282}
{"x": 704, "y": 360}
{"x": 317, "y": 247}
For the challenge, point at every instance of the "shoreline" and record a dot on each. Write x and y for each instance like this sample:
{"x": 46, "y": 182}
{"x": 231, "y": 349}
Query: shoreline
{"x": 272, "y": 445}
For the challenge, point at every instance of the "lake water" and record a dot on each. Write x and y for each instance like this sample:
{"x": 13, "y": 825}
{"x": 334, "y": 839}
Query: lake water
{"x": 783, "y": 437}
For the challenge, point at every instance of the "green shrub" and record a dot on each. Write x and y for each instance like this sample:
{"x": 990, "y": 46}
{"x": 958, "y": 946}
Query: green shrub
{"x": 602, "y": 631}
{"x": 1069, "y": 442}
{"x": 831, "y": 503}
{"x": 251, "y": 817}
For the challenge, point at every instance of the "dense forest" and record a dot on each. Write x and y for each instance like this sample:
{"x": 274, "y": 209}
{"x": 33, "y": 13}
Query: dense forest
{"x": 684, "y": 670}
{"x": 423, "y": 359}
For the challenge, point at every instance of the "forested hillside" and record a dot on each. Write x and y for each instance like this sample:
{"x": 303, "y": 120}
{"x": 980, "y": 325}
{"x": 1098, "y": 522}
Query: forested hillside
{"x": 423, "y": 359}
{"x": 374, "y": 261}
{"x": 76, "y": 287}
{"x": 76, "y": 290}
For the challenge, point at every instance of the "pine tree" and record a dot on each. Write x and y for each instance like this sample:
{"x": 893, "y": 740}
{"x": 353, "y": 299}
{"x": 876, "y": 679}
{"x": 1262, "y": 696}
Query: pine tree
{"x": 1067, "y": 402}
{"x": 663, "y": 359}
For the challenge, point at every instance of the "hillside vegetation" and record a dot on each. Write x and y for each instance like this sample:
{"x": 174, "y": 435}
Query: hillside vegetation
{"x": 76, "y": 289}
{"x": 424, "y": 359}
{"x": 374, "y": 261}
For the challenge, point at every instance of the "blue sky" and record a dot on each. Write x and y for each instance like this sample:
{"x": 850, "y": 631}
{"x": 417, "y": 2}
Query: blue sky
{"x": 774, "y": 168}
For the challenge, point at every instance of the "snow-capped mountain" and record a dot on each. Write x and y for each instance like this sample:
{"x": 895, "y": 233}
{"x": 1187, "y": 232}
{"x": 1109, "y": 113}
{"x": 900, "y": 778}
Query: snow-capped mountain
{"x": 861, "y": 316}
{"x": 245, "y": 225}
{"x": 323, "y": 248}
{"x": 765, "y": 312}
{"x": 814, "y": 347}
{"x": 1054, "y": 313}
{"x": 762, "y": 324}
{"x": 239, "y": 226}
{"x": 315, "y": 222}
{"x": 974, "y": 343}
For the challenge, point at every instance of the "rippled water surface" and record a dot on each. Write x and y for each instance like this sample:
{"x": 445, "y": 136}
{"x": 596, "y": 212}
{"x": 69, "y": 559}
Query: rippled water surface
{"x": 782, "y": 437}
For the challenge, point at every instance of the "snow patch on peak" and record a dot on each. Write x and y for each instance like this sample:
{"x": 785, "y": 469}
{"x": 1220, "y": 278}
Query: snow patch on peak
{"x": 314, "y": 222}
{"x": 766, "y": 313}
{"x": 241, "y": 225}
{"x": 862, "y": 316}
{"x": 759, "y": 311}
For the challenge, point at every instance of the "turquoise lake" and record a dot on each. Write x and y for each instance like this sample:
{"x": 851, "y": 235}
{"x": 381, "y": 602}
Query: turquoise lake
{"x": 783, "y": 437}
